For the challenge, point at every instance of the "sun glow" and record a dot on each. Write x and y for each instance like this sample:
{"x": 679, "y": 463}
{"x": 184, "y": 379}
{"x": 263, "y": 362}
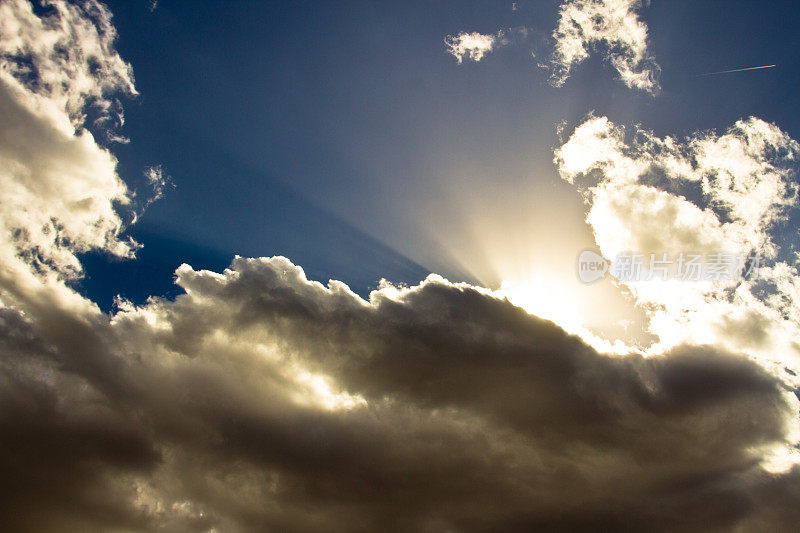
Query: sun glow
{"x": 549, "y": 298}
{"x": 545, "y": 298}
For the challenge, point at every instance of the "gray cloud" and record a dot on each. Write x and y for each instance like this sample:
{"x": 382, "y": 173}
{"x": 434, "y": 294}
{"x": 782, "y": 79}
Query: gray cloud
{"x": 469, "y": 414}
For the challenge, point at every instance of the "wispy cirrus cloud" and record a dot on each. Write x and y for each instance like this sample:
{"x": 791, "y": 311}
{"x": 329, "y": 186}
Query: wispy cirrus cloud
{"x": 611, "y": 28}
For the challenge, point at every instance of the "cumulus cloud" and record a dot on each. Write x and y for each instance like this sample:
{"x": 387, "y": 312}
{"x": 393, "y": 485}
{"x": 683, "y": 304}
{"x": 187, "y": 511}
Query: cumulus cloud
{"x": 259, "y": 399}
{"x": 711, "y": 193}
{"x": 60, "y": 187}
{"x": 611, "y": 28}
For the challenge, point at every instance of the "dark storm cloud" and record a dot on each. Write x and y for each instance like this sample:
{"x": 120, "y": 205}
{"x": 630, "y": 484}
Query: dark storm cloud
{"x": 475, "y": 415}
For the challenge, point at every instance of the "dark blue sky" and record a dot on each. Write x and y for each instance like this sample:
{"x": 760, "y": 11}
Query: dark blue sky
{"x": 344, "y": 137}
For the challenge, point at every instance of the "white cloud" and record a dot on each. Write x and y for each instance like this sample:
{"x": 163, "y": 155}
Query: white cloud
{"x": 473, "y": 46}
{"x": 158, "y": 181}
{"x": 609, "y": 27}
{"x": 66, "y": 56}
{"x": 710, "y": 193}
{"x": 60, "y": 188}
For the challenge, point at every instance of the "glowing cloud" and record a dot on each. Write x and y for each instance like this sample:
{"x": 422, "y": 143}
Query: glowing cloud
{"x": 610, "y": 27}
{"x": 90, "y": 74}
{"x": 709, "y": 194}
{"x": 59, "y": 186}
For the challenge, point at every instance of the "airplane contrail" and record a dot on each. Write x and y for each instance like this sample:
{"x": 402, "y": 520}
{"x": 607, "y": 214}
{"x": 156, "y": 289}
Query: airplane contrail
{"x": 736, "y": 70}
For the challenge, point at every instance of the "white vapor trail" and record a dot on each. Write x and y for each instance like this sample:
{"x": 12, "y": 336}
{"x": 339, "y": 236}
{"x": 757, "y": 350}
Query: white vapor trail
{"x": 736, "y": 70}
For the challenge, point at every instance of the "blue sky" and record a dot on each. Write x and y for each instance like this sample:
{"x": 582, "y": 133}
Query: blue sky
{"x": 322, "y": 131}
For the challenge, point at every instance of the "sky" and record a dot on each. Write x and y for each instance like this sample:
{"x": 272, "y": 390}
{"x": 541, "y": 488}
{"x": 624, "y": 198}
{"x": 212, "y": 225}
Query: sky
{"x": 321, "y": 266}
